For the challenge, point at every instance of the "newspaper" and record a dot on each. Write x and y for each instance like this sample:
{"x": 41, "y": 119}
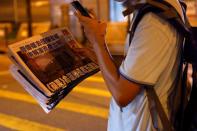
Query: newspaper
{"x": 48, "y": 67}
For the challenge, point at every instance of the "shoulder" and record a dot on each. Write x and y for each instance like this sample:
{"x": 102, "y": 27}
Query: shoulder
{"x": 152, "y": 22}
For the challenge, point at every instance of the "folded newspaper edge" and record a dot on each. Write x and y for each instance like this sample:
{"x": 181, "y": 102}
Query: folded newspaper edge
{"x": 28, "y": 87}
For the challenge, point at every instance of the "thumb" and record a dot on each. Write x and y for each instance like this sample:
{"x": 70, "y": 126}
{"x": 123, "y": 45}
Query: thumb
{"x": 92, "y": 13}
{"x": 103, "y": 27}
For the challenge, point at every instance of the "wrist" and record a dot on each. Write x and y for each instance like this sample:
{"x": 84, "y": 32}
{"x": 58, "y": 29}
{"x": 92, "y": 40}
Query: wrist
{"x": 100, "y": 40}
{"x": 100, "y": 49}
{"x": 100, "y": 43}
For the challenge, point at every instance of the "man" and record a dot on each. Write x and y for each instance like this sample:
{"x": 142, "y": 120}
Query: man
{"x": 151, "y": 59}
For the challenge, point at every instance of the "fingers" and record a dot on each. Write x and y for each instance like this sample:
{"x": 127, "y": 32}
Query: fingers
{"x": 92, "y": 13}
{"x": 94, "y": 29}
{"x": 87, "y": 20}
{"x": 82, "y": 19}
{"x": 103, "y": 27}
{"x": 80, "y": 49}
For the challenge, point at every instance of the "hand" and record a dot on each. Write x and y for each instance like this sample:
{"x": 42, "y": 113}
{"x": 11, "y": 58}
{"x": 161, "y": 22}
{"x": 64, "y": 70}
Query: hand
{"x": 87, "y": 52}
{"x": 94, "y": 29}
{"x": 92, "y": 13}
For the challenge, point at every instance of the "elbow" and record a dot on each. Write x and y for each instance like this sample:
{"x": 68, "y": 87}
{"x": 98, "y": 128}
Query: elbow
{"x": 124, "y": 92}
{"x": 121, "y": 101}
{"x": 123, "y": 98}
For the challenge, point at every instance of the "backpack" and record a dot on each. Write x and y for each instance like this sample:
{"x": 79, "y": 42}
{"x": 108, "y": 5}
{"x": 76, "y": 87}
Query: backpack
{"x": 183, "y": 116}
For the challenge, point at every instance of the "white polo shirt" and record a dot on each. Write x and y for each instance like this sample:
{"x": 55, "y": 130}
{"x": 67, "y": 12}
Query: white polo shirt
{"x": 151, "y": 59}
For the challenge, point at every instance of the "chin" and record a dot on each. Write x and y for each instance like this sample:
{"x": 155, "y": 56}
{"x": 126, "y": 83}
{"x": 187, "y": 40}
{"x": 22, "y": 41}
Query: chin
{"x": 120, "y": 0}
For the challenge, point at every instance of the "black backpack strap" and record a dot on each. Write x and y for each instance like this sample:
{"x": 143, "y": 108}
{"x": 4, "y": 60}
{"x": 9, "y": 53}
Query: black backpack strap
{"x": 155, "y": 107}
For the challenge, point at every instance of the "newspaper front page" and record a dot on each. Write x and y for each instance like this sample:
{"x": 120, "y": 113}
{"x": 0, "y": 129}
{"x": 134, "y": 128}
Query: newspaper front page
{"x": 50, "y": 62}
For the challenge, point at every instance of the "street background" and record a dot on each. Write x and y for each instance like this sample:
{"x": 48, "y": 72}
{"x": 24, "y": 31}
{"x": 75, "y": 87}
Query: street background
{"x": 84, "y": 109}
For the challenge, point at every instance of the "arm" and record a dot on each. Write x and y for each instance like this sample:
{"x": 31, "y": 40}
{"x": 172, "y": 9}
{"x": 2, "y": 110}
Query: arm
{"x": 122, "y": 90}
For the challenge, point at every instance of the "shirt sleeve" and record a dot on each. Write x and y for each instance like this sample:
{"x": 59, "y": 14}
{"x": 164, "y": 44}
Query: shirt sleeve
{"x": 147, "y": 55}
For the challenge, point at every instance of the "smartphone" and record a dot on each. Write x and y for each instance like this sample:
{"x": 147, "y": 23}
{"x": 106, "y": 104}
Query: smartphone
{"x": 77, "y": 5}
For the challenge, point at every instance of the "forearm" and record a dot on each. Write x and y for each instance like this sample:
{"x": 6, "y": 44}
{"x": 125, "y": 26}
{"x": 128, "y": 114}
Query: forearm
{"x": 108, "y": 68}
{"x": 122, "y": 90}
